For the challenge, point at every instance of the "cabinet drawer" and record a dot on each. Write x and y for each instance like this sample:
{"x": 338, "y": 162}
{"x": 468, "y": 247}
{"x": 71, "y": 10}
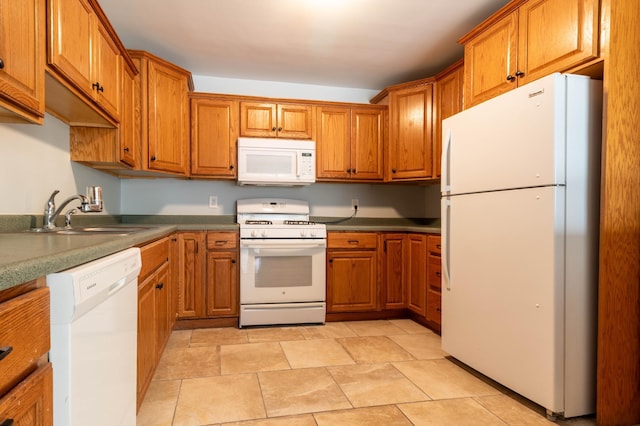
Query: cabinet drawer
{"x": 153, "y": 255}
{"x": 31, "y": 401}
{"x": 352, "y": 240}
{"x": 222, "y": 240}
{"x": 433, "y": 243}
{"x": 24, "y": 327}
{"x": 435, "y": 275}
{"x": 433, "y": 307}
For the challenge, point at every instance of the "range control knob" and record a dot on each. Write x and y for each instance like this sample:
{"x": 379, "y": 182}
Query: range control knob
{"x": 264, "y": 233}
{"x": 303, "y": 233}
{"x": 254, "y": 233}
{"x": 313, "y": 232}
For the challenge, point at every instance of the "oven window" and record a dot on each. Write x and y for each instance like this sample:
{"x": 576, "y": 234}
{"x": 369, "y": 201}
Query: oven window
{"x": 285, "y": 271}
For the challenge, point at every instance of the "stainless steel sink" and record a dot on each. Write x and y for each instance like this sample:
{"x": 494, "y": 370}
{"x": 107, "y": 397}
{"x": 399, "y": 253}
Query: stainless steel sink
{"x": 92, "y": 230}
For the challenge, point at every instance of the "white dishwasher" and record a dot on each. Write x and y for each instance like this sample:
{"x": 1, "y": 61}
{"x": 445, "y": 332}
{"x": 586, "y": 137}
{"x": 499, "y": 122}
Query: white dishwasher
{"x": 94, "y": 325}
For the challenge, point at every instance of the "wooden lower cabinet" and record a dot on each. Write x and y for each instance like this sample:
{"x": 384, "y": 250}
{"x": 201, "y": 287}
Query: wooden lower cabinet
{"x": 434, "y": 280}
{"x": 394, "y": 255}
{"x": 208, "y": 275}
{"x": 26, "y": 384}
{"x": 417, "y": 273}
{"x": 352, "y": 279}
{"x": 155, "y": 314}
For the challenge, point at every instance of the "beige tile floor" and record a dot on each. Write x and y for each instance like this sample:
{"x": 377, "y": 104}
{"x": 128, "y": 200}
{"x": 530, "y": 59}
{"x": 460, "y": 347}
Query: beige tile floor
{"x": 346, "y": 373}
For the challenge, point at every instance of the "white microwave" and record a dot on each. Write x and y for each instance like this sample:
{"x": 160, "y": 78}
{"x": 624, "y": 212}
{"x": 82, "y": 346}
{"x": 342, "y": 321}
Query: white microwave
{"x": 281, "y": 162}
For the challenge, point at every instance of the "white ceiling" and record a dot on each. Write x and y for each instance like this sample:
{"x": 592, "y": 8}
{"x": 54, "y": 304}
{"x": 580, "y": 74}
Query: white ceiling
{"x": 365, "y": 44}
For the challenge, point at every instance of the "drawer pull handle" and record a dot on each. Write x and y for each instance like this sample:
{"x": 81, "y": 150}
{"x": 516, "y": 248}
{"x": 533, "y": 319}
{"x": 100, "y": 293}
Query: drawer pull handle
{"x": 438, "y": 246}
{"x": 220, "y": 242}
{"x": 437, "y": 309}
{"x": 354, "y": 241}
{"x": 438, "y": 274}
{"x": 4, "y": 351}
{"x": 7, "y": 422}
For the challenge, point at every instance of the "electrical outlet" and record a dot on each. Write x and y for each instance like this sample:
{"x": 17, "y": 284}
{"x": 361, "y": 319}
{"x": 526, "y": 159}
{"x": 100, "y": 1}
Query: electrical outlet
{"x": 355, "y": 204}
{"x": 213, "y": 202}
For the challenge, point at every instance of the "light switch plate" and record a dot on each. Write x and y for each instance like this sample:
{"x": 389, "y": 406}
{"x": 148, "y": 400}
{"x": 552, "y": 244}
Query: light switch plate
{"x": 213, "y": 202}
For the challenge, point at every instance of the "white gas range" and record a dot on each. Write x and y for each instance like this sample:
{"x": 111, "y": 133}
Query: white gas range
{"x": 282, "y": 263}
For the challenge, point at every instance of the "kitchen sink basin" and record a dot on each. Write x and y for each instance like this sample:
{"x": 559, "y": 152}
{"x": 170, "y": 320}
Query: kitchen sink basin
{"x": 89, "y": 230}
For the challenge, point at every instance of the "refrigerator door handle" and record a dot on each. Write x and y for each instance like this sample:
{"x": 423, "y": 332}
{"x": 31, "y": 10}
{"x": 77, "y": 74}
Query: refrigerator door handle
{"x": 446, "y": 156}
{"x": 446, "y": 217}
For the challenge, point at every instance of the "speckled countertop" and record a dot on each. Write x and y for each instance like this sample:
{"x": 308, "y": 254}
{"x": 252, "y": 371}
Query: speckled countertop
{"x": 25, "y": 256}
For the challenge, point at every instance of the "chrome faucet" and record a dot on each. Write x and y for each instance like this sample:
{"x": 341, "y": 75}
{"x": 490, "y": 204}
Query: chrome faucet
{"x": 92, "y": 203}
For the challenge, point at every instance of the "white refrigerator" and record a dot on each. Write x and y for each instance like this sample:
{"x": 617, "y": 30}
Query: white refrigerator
{"x": 520, "y": 210}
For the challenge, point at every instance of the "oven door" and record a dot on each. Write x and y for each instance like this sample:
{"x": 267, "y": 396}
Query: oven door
{"x": 282, "y": 270}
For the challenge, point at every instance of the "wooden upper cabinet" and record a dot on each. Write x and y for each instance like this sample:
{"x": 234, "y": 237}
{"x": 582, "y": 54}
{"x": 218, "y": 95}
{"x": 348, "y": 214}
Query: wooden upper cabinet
{"x": 214, "y": 132}
{"x": 488, "y": 61}
{"x": 164, "y": 114}
{"x": 333, "y": 139}
{"x": 448, "y": 102}
{"x": 527, "y": 40}
{"x": 84, "y": 53}
{"x": 367, "y": 138}
{"x": 410, "y": 153}
{"x": 22, "y": 60}
{"x": 556, "y": 35}
{"x": 349, "y": 143}
{"x": 274, "y": 120}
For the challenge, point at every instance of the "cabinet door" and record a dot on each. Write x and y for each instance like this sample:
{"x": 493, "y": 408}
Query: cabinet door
{"x": 333, "y": 144}
{"x": 147, "y": 353}
{"x": 449, "y": 101}
{"x": 214, "y": 132}
{"x": 366, "y": 144}
{"x": 31, "y": 401}
{"x": 108, "y": 76}
{"x": 295, "y": 121}
{"x": 222, "y": 283}
{"x": 555, "y": 35}
{"x": 258, "y": 119}
{"x": 489, "y": 59}
{"x": 190, "y": 285}
{"x": 162, "y": 290}
{"x": 417, "y": 273}
{"x": 168, "y": 115}
{"x": 129, "y": 127}
{"x": 395, "y": 271}
{"x": 410, "y": 144}
{"x": 22, "y": 37}
{"x": 71, "y": 27}
{"x": 351, "y": 281}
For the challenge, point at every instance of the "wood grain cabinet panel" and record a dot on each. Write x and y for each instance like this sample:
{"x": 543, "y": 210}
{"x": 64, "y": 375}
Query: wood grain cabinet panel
{"x": 448, "y": 101}
{"x": 349, "y": 143}
{"x": 191, "y": 250}
{"x": 394, "y": 263}
{"x": 535, "y": 39}
{"x": 214, "y": 132}
{"x": 276, "y": 120}
{"x": 417, "y": 273}
{"x": 22, "y": 60}
{"x": 222, "y": 274}
{"x": 410, "y": 152}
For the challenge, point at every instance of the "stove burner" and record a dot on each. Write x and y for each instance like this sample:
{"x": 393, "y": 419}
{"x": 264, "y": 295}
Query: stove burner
{"x": 258, "y": 222}
{"x": 297, "y": 222}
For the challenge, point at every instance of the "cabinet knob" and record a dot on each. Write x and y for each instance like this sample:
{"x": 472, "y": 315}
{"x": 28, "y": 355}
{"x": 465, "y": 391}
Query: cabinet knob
{"x": 273, "y": 129}
{"x": 279, "y": 129}
{"x": 160, "y": 286}
{"x": 393, "y": 170}
{"x": 4, "y": 351}
{"x": 348, "y": 170}
{"x": 153, "y": 158}
{"x": 1, "y": 63}
{"x": 510, "y": 78}
{"x": 231, "y": 167}
{"x": 437, "y": 309}
{"x": 519, "y": 73}
{"x": 354, "y": 171}
{"x": 233, "y": 261}
{"x": 126, "y": 149}
{"x": 97, "y": 86}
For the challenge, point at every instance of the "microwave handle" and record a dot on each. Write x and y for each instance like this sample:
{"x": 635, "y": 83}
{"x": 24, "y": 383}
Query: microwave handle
{"x": 298, "y": 156}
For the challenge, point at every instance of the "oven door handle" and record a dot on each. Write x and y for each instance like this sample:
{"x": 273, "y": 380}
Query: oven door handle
{"x": 275, "y": 244}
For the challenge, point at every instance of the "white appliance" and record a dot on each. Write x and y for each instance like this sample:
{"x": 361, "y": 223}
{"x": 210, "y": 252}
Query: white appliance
{"x": 94, "y": 320}
{"x": 520, "y": 187}
{"x": 282, "y": 263}
{"x": 276, "y": 162}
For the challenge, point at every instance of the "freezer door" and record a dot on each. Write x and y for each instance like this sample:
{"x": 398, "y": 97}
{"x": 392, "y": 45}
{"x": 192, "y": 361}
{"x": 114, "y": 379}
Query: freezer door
{"x": 515, "y": 140}
{"x": 502, "y": 295}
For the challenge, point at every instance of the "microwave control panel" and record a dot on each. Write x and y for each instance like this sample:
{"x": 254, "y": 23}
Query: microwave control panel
{"x": 307, "y": 164}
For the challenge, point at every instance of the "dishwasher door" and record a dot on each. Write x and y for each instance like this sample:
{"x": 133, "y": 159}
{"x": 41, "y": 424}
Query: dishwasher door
{"x": 94, "y": 341}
